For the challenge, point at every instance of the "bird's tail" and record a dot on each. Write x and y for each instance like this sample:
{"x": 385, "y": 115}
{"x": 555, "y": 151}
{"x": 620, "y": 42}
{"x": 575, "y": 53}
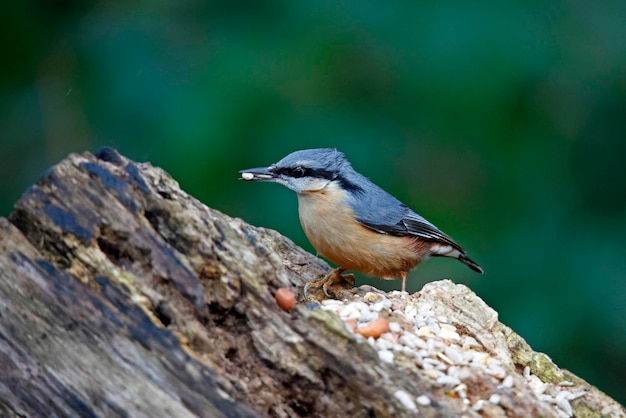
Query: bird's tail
{"x": 470, "y": 263}
{"x": 441, "y": 250}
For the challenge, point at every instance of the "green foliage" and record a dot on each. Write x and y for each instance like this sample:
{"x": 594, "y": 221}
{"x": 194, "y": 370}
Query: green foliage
{"x": 503, "y": 123}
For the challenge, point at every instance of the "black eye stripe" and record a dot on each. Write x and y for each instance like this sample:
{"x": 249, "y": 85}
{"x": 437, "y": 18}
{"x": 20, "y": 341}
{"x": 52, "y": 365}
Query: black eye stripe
{"x": 331, "y": 175}
{"x": 320, "y": 173}
{"x": 297, "y": 171}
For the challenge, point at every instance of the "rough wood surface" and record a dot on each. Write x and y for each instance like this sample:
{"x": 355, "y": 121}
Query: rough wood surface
{"x": 120, "y": 295}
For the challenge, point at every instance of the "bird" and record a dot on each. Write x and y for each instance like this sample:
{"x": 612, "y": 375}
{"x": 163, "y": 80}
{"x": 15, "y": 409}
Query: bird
{"x": 354, "y": 223}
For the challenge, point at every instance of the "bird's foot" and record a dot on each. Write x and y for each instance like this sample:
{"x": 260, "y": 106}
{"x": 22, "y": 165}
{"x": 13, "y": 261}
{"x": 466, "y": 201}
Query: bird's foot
{"x": 333, "y": 285}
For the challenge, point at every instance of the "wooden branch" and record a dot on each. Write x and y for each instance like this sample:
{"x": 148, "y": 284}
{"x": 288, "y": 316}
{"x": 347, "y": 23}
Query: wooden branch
{"x": 121, "y": 295}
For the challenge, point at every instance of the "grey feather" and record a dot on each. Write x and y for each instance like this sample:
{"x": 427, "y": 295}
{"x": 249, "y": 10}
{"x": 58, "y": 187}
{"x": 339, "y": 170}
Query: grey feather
{"x": 380, "y": 211}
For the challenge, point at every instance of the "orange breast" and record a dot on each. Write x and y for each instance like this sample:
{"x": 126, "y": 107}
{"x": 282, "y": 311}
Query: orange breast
{"x": 332, "y": 230}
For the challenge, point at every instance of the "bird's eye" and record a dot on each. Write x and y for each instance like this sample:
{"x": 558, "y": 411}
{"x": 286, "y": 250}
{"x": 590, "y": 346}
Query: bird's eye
{"x": 298, "y": 172}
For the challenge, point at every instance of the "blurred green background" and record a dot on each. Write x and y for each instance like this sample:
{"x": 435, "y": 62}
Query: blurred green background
{"x": 504, "y": 123}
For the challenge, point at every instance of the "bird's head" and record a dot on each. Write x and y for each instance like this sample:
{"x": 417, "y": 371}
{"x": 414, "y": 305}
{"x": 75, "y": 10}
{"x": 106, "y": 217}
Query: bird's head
{"x": 303, "y": 171}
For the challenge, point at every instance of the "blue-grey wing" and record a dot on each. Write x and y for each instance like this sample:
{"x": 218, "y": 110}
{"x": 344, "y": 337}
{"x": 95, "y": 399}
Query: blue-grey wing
{"x": 383, "y": 213}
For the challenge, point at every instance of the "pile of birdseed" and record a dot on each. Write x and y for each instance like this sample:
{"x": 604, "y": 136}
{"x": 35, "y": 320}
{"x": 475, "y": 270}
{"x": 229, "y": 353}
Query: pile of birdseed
{"x": 416, "y": 337}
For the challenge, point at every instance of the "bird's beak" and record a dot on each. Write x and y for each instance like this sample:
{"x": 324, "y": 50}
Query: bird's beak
{"x": 257, "y": 174}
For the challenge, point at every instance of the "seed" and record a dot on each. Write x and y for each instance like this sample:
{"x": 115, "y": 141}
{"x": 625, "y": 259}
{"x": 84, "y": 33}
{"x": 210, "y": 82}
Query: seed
{"x": 285, "y": 298}
{"x": 406, "y": 400}
{"x": 374, "y": 329}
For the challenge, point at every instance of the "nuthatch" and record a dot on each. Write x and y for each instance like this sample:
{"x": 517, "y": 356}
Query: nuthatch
{"x": 353, "y": 222}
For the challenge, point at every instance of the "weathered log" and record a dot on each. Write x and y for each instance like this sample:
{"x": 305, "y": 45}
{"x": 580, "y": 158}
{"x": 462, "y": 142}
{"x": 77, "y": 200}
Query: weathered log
{"x": 121, "y": 295}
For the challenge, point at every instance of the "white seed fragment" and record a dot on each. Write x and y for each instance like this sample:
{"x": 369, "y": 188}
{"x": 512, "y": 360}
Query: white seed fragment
{"x": 469, "y": 342}
{"x": 405, "y": 399}
{"x": 372, "y": 297}
{"x": 423, "y": 400}
{"x": 468, "y": 356}
{"x": 423, "y": 331}
{"x": 360, "y": 305}
{"x": 367, "y": 316}
{"x": 394, "y": 327}
{"x": 566, "y": 383}
{"x": 478, "y": 406}
{"x": 410, "y": 340}
{"x": 454, "y": 355}
{"x": 448, "y": 381}
{"x": 494, "y": 399}
{"x": 527, "y": 372}
{"x": 384, "y": 344}
{"x": 430, "y": 345}
{"x": 407, "y": 351}
{"x": 507, "y": 383}
{"x": 247, "y": 176}
{"x": 435, "y": 363}
{"x": 371, "y": 341}
{"x": 410, "y": 311}
{"x": 445, "y": 358}
{"x": 448, "y": 332}
{"x": 576, "y": 395}
{"x": 434, "y": 327}
{"x": 378, "y": 306}
{"x": 399, "y": 347}
{"x": 546, "y": 398}
{"x": 425, "y": 308}
{"x": 398, "y": 293}
{"x": 461, "y": 390}
{"x": 495, "y": 370}
{"x": 480, "y": 358}
{"x": 537, "y": 386}
{"x": 386, "y": 356}
{"x": 463, "y": 373}
{"x": 564, "y": 405}
{"x": 350, "y": 312}
{"x": 564, "y": 394}
{"x": 432, "y": 373}
{"x": 453, "y": 371}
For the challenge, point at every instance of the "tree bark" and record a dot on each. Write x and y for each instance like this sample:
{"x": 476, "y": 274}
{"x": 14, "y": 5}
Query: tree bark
{"x": 121, "y": 295}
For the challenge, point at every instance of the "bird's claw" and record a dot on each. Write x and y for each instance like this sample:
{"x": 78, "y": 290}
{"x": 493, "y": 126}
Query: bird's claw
{"x": 333, "y": 280}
